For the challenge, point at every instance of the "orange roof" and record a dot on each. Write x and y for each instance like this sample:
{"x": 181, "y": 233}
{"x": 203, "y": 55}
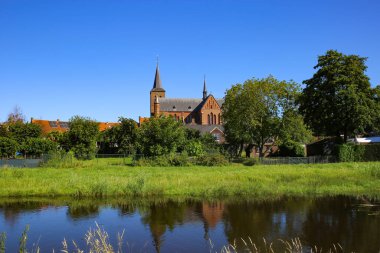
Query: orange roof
{"x": 62, "y": 126}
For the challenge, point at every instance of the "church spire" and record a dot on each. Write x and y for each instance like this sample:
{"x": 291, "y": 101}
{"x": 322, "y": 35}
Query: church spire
{"x": 157, "y": 85}
{"x": 204, "y": 88}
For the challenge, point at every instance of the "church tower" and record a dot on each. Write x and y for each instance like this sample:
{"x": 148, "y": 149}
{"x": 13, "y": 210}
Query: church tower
{"x": 156, "y": 91}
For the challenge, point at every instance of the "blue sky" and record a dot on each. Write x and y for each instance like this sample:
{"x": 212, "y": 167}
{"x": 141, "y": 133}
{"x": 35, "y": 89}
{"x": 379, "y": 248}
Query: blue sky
{"x": 96, "y": 58}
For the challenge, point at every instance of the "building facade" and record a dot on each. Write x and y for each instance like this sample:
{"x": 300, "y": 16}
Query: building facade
{"x": 203, "y": 114}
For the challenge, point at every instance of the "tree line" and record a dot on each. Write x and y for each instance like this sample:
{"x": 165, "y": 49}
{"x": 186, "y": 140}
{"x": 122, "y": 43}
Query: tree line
{"x": 336, "y": 101}
{"x": 266, "y": 115}
{"x": 156, "y": 137}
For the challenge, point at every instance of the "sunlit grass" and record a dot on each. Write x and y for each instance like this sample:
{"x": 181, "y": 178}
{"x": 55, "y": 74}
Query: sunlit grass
{"x": 110, "y": 177}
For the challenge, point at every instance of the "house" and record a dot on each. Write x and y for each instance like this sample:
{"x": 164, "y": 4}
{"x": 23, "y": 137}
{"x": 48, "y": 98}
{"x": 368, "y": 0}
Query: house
{"x": 48, "y": 126}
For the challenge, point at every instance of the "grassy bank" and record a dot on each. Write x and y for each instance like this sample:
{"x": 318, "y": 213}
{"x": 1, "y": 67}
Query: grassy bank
{"x": 106, "y": 177}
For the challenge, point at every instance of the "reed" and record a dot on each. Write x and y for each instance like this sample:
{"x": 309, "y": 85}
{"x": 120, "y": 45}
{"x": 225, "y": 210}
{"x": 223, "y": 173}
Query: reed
{"x": 98, "y": 241}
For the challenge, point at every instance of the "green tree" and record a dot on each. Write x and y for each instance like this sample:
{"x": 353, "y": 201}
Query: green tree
{"x": 160, "y": 136}
{"x": 121, "y": 138}
{"x": 38, "y": 146}
{"x": 252, "y": 112}
{"x": 20, "y": 132}
{"x": 294, "y": 129}
{"x": 82, "y": 136}
{"x": 337, "y": 99}
{"x": 8, "y": 147}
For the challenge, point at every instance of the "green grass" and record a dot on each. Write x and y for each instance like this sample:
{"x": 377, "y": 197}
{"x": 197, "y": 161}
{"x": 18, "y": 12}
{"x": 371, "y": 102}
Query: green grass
{"x": 109, "y": 178}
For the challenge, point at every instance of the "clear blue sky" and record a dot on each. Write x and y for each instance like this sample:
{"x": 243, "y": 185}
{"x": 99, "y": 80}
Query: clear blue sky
{"x": 96, "y": 58}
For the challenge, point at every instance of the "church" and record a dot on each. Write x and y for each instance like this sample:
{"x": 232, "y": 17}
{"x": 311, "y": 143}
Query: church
{"x": 203, "y": 114}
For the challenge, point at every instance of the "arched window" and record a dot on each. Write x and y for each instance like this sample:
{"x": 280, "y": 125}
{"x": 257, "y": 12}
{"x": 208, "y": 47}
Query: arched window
{"x": 215, "y": 119}
{"x": 212, "y": 119}
{"x": 209, "y": 119}
{"x": 219, "y": 118}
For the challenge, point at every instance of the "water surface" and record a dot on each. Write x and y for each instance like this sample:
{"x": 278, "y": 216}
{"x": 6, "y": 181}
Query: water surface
{"x": 189, "y": 226}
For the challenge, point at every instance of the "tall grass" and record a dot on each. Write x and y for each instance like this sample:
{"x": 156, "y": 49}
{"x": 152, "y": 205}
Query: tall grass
{"x": 98, "y": 241}
{"x": 106, "y": 178}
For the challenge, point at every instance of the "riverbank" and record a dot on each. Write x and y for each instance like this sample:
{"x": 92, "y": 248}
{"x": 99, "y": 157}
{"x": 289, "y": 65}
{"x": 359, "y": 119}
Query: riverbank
{"x": 102, "y": 179}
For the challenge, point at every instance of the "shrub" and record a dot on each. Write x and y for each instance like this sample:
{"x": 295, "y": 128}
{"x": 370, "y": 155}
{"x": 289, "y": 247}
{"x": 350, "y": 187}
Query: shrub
{"x": 194, "y": 148}
{"x": 60, "y": 159}
{"x": 164, "y": 161}
{"x": 212, "y": 160}
{"x": 291, "y": 149}
{"x": 357, "y": 153}
{"x": 8, "y": 147}
{"x": 371, "y": 152}
{"x": 250, "y": 161}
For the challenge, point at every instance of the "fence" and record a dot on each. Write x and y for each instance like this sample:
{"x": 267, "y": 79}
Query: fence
{"x": 297, "y": 160}
{"x": 21, "y": 163}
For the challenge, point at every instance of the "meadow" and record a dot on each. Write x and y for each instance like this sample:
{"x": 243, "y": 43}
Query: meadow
{"x": 112, "y": 177}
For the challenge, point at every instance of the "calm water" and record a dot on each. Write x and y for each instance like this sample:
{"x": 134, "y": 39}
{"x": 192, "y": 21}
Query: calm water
{"x": 187, "y": 226}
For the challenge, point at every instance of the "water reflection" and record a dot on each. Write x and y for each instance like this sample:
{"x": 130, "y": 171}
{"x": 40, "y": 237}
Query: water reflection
{"x": 188, "y": 225}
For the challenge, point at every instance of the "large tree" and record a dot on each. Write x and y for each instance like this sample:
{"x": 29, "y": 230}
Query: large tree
{"x": 252, "y": 112}
{"x": 121, "y": 138}
{"x": 337, "y": 100}
{"x": 82, "y": 136}
{"x": 160, "y": 136}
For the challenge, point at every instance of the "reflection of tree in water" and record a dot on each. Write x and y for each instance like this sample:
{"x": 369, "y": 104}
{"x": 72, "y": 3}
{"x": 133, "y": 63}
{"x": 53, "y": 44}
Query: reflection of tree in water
{"x": 84, "y": 209}
{"x": 335, "y": 220}
{"x": 160, "y": 217}
{"x": 271, "y": 220}
{"x": 12, "y": 210}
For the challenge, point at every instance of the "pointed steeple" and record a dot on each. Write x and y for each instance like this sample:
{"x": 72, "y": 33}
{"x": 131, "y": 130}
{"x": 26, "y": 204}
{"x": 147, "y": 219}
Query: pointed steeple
{"x": 157, "y": 85}
{"x": 204, "y": 89}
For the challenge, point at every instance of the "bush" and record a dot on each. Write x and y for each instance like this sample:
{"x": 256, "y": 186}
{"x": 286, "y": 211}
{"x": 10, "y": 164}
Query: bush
{"x": 194, "y": 148}
{"x": 8, "y": 147}
{"x": 291, "y": 149}
{"x": 177, "y": 160}
{"x": 371, "y": 152}
{"x": 212, "y": 160}
{"x": 358, "y": 153}
{"x": 251, "y": 161}
{"x": 62, "y": 159}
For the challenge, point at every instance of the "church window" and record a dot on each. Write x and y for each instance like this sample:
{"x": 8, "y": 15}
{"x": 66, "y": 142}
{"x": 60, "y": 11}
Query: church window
{"x": 215, "y": 119}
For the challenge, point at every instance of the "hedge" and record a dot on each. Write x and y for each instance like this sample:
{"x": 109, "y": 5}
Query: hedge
{"x": 358, "y": 153}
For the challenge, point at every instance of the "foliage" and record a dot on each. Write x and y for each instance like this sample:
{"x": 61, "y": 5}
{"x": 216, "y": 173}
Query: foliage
{"x": 291, "y": 149}
{"x": 177, "y": 160}
{"x": 358, "y": 153}
{"x": 160, "y": 136}
{"x": 293, "y": 129}
{"x": 38, "y": 146}
{"x": 212, "y": 160}
{"x": 82, "y": 136}
{"x": 121, "y": 138}
{"x": 20, "y": 132}
{"x": 8, "y": 147}
{"x": 252, "y": 111}
{"x": 251, "y": 161}
{"x": 337, "y": 99}
{"x": 194, "y": 148}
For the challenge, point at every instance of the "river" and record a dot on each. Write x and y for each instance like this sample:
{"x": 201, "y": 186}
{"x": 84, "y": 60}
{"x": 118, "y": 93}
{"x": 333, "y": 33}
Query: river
{"x": 175, "y": 225}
